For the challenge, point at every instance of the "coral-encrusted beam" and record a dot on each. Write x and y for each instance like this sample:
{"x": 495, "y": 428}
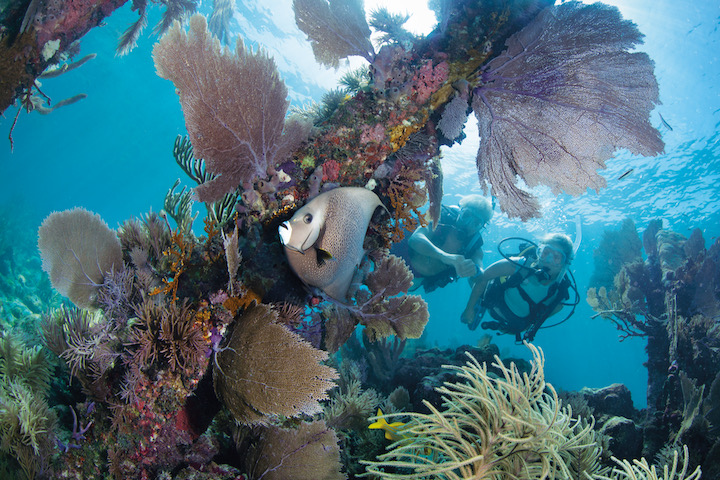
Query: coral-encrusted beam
{"x": 33, "y": 39}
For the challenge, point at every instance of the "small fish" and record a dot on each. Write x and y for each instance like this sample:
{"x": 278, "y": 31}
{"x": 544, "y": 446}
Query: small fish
{"x": 626, "y": 174}
{"x": 665, "y": 123}
{"x": 393, "y": 431}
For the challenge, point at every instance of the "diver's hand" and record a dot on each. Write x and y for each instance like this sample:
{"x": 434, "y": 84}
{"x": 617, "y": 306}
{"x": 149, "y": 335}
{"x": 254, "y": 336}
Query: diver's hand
{"x": 468, "y": 316}
{"x": 464, "y": 267}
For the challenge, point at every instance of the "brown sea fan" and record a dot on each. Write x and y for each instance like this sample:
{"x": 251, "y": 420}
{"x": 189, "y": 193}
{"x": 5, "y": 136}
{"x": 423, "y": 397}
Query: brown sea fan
{"x": 266, "y": 370}
{"x": 78, "y": 249}
{"x": 308, "y": 452}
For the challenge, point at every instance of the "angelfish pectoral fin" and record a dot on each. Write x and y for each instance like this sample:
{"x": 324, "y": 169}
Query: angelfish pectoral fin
{"x": 323, "y": 256}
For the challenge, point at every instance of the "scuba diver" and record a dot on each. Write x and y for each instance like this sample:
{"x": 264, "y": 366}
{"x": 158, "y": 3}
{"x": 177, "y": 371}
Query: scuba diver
{"x": 454, "y": 248}
{"x": 520, "y": 293}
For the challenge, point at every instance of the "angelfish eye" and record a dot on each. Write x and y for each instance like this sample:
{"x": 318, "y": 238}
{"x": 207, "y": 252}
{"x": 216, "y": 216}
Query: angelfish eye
{"x": 307, "y": 218}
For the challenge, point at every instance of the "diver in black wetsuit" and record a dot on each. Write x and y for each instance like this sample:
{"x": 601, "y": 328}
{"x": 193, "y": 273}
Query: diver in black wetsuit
{"x": 454, "y": 248}
{"x": 521, "y": 292}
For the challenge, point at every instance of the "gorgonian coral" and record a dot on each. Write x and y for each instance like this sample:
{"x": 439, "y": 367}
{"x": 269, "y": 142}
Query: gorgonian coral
{"x": 27, "y": 423}
{"x": 382, "y": 308}
{"x": 512, "y": 426}
{"x": 78, "y": 249}
{"x": 239, "y": 135}
{"x": 336, "y": 29}
{"x": 560, "y": 100}
{"x": 308, "y": 452}
{"x": 267, "y": 371}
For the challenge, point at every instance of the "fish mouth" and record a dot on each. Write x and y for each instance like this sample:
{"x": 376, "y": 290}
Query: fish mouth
{"x": 285, "y": 232}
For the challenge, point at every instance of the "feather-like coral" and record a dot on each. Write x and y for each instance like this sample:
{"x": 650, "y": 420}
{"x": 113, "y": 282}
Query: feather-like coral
{"x": 483, "y": 423}
{"x": 560, "y": 100}
{"x": 168, "y": 337}
{"x": 336, "y": 29}
{"x": 267, "y": 371}
{"x": 642, "y": 470}
{"x": 26, "y": 421}
{"x": 234, "y": 106}
{"x": 78, "y": 249}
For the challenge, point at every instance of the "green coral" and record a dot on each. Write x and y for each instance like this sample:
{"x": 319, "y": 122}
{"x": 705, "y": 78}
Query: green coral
{"x": 26, "y": 421}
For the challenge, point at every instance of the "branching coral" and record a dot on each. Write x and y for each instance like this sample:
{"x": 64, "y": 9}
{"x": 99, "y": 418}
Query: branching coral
{"x": 512, "y": 426}
{"x": 406, "y": 198}
{"x": 178, "y": 255}
{"x": 78, "y": 249}
{"x": 641, "y": 470}
{"x": 556, "y": 104}
{"x": 239, "y": 135}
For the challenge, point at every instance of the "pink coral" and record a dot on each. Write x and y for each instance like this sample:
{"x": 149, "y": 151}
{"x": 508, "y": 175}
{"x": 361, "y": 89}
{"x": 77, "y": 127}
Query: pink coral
{"x": 331, "y": 171}
{"x": 372, "y": 134}
{"x": 428, "y": 80}
{"x": 240, "y": 135}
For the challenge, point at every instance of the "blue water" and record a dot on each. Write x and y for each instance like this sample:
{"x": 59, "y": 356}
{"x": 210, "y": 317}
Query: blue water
{"x": 111, "y": 153}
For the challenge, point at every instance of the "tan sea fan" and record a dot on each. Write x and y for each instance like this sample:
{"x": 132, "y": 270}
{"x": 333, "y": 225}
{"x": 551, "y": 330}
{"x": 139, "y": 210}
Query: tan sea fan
{"x": 308, "y": 452}
{"x": 78, "y": 249}
{"x": 267, "y": 371}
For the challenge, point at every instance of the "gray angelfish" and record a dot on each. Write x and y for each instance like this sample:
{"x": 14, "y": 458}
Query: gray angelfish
{"x": 324, "y": 239}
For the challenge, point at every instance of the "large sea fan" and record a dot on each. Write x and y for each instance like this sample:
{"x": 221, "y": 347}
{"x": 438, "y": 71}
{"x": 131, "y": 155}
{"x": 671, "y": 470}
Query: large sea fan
{"x": 560, "y": 100}
{"x": 336, "y": 29}
{"x": 77, "y": 250}
{"x": 234, "y": 106}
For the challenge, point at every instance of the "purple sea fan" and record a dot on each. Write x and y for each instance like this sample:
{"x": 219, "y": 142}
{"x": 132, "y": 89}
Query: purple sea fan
{"x": 234, "y": 106}
{"x": 560, "y": 100}
{"x": 336, "y": 29}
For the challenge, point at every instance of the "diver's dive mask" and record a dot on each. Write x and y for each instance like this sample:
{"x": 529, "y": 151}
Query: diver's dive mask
{"x": 551, "y": 256}
{"x": 469, "y": 221}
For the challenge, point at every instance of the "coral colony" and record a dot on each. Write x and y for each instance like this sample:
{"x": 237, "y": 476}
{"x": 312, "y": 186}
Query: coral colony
{"x": 207, "y": 357}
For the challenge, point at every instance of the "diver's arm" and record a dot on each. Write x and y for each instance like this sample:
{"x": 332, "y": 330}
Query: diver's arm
{"x": 478, "y": 258}
{"x": 501, "y": 268}
{"x": 421, "y": 244}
